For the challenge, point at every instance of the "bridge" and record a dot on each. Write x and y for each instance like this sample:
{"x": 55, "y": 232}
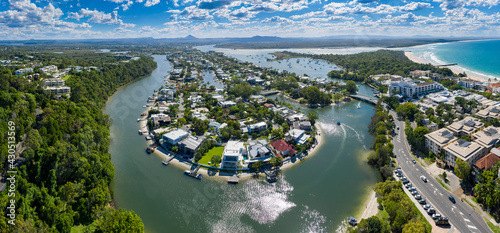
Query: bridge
{"x": 364, "y": 98}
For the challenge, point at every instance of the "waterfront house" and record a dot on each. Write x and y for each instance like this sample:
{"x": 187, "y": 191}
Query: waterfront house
{"x": 160, "y": 119}
{"x": 282, "y": 148}
{"x": 232, "y": 154}
{"x": 173, "y": 137}
{"x": 306, "y": 125}
{"x": 189, "y": 145}
{"x": 257, "y": 149}
{"x": 297, "y": 135}
{"x": 436, "y": 140}
{"x": 467, "y": 151}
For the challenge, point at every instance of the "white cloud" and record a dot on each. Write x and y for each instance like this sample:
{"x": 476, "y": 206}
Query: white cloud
{"x": 151, "y": 3}
{"x": 95, "y": 16}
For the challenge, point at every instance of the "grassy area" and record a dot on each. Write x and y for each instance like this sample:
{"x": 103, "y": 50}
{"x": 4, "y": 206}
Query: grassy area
{"x": 382, "y": 214}
{"x": 495, "y": 229}
{"x": 429, "y": 161}
{"x": 66, "y": 77}
{"x": 208, "y": 156}
{"x": 263, "y": 137}
{"x": 443, "y": 184}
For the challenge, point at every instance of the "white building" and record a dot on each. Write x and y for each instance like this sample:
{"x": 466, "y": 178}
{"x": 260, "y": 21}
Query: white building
{"x": 173, "y": 137}
{"x": 24, "y": 71}
{"x": 436, "y": 140}
{"x": 226, "y": 104}
{"x": 257, "y": 127}
{"x": 408, "y": 88}
{"x": 467, "y": 151}
{"x": 233, "y": 152}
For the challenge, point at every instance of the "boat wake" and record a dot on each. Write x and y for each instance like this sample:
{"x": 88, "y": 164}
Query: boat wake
{"x": 313, "y": 221}
{"x": 340, "y": 130}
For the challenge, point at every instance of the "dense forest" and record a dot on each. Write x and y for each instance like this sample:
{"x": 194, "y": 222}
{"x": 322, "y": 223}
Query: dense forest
{"x": 65, "y": 169}
{"x": 359, "y": 66}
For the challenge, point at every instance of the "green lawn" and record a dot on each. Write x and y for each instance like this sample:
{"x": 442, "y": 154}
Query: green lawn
{"x": 208, "y": 156}
{"x": 442, "y": 184}
{"x": 66, "y": 77}
{"x": 495, "y": 229}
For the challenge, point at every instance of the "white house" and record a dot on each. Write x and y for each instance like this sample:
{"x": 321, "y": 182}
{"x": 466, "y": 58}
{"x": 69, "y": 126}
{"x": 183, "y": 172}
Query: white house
{"x": 233, "y": 152}
{"x": 173, "y": 137}
{"x": 257, "y": 127}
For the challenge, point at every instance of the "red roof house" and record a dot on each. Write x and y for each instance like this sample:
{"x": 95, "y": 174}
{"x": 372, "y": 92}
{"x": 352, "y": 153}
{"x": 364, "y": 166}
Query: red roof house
{"x": 283, "y": 148}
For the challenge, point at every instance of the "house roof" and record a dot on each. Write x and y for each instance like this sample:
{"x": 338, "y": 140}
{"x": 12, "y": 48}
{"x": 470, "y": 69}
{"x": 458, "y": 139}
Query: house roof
{"x": 487, "y": 161}
{"x": 281, "y": 145}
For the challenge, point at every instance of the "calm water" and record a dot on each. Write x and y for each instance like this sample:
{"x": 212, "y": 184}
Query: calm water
{"x": 478, "y": 57}
{"x": 314, "y": 196}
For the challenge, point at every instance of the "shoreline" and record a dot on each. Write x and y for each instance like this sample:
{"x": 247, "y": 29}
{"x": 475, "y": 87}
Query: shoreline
{"x": 242, "y": 176}
{"x": 455, "y": 69}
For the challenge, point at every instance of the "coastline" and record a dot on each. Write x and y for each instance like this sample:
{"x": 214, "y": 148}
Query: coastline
{"x": 242, "y": 176}
{"x": 455, "y": 69}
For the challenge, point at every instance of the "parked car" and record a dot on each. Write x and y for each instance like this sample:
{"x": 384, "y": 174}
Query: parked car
{"x": 413, "y": 161}
{"x": 442, "y": 221}
{"x": 452, "y": 199}
{"x": 414, "y": 193}
{"x": 409, "y": 185}
{"x": 426, "y": 206}
{"x": 431, "y": 211}
{"x": 404, "y": 179}
{"x": 436, "y": 216}
{"x": 418, "y": 197}
{"x": 422, "y": 201}
{"x": 424, "y": 179}
{"x": 412, "y": 189}
{"x": 406, "y": 182}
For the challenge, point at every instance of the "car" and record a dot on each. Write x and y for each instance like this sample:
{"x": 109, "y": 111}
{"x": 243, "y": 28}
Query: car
{"x": 424, "y": 179}
{"x": 404, "y": 179}
{"x": 431, "y": 211}
{"x": 398, "y": 168}
{"x": 412, "y": 189}
{"x": 413, "y": 161}
{"x": 399, "y": 174}
{"x": 426, "y": 206}
{"x": 409, "y": 185}
{"x": 452, "y": 199}
{"x": 418, "y": 197}
{"x": 414, "y": 193}
{"x": 406, "y": 182}
{"x": 422, "y": 201}
{"x": 436, "y": 216}
{"x": 397, "y": 128}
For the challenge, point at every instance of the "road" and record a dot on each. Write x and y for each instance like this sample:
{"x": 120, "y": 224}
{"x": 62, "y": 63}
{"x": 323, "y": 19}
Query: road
{"x": 462, "y": 217}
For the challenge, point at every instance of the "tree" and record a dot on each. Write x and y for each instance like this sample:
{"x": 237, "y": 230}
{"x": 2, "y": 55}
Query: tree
{"x": 174, "y": 149}
{"x": 415, "y": 227}
{"x": 216, "y": 159}
{"x": 407, "y": 110}
{"x": 256, "y": 166}
{"x": 373, "y": 225}
{"x": 463, "y": 170}
{"x": 351, "y": 87}
{"x": 312, "y": 117}
{"x": 119, "y": 221}
{"x": 276, "y": 161}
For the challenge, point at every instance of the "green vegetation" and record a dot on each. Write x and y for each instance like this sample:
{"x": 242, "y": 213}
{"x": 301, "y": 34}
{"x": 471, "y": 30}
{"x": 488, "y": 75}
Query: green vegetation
{"x": 403, "y": 214}
{"x": 314, "y": 96}
{"x": 379, "y": 127}
{"x": 488, "y": 190}
{"x": 443, "y": 184}
{"x": 214, "y": 152}
{"x": 65, "y": 78}
{"x": 373, "y": 225}
{"x": 407, "y": 110}
{"x": 64, "y": 180}
{"x": 463, "y": 170}
{"x": 351, "y": 87}
{"x": 359, "y": 66}
{"x": 493, "y": 227}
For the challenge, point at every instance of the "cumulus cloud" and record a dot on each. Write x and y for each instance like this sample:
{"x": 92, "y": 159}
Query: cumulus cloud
{"x": 277, "y": 19}
{"x": 151, "y": 3}
{"x": 95, "y": 16}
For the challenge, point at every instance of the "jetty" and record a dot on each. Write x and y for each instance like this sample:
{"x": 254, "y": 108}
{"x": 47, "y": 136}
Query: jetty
{"x": 452, "y": 64}
{"x": 233, "y": 179}
{"x": 167, "y": 162}
{"x": 364, "y": 98}
{"x": 194, "y": 173}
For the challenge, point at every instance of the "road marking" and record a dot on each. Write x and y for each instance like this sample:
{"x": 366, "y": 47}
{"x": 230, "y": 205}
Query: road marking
{"x": 432, "y": 185}
{"x": 472, "y": 226}
{"x": 467, "y": 220}
{"x": 461, "y": 213}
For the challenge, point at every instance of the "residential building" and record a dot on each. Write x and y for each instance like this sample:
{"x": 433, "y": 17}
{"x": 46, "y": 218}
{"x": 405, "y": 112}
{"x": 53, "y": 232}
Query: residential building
{"x": 282, "y": 148}
{"x": 173, "y": 137}
{"x": 408, "y": 88}
{"x": 226, "y": 104}
{"x": 257, "y": 149}
{"x": 257, "y": 127}
{"x": 306, "y": 125}
{"x": 494, "y": 87}
{"x": 465, "y": 127}
{"x": 53, "y": 82}
{"x": 49, "y": 69}
{"x": 297, "y": 135}
{"x": 489, "y": 113}
{"x": 232, "y": 154}
{"x": 160, "y": 119}
{"x": 59, "y": 90}
{"x": 485, "y": 163}
{"x": 418, "y": 73}
{"x": 24, "y": 71}
{"x": 436, "y": 140}
{"x": 190, "y": 144}
{"x": 467, "y": 151}
{"x": 487, "y": 138}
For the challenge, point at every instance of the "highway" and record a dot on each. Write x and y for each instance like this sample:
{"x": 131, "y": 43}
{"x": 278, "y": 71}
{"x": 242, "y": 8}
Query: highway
{"x": 461, "y": 216}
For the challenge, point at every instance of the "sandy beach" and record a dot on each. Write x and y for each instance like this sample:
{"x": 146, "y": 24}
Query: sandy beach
{"x": 177, "y": 162}
{"x": 455, "y": 69}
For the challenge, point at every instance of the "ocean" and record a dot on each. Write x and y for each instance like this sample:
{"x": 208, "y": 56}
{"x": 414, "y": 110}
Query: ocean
{"x": 477, "y": 58}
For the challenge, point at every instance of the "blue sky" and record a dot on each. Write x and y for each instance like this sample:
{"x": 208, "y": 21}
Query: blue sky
{"x": 50, "y": 19}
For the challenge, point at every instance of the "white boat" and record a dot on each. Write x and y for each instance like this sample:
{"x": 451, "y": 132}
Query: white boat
{"x": 359, "y": 105}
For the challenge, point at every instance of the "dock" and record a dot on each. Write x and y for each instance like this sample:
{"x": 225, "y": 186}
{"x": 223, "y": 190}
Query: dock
{"x": 233, "y": 179}
{"x": 364, "y": 98}
{"x": 167, "y": 162}
{"x": 452, "y": 64}
{"x": 194, "y": 173}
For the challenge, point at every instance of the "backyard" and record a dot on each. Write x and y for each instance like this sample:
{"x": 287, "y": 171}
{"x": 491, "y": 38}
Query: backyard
{"x": 207, "y": 157}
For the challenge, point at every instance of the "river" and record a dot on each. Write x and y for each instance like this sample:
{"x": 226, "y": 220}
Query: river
{"x": 313, "y": 196}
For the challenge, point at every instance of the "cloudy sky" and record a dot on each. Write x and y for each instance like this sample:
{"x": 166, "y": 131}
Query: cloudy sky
{"x": 45, "y": 19}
